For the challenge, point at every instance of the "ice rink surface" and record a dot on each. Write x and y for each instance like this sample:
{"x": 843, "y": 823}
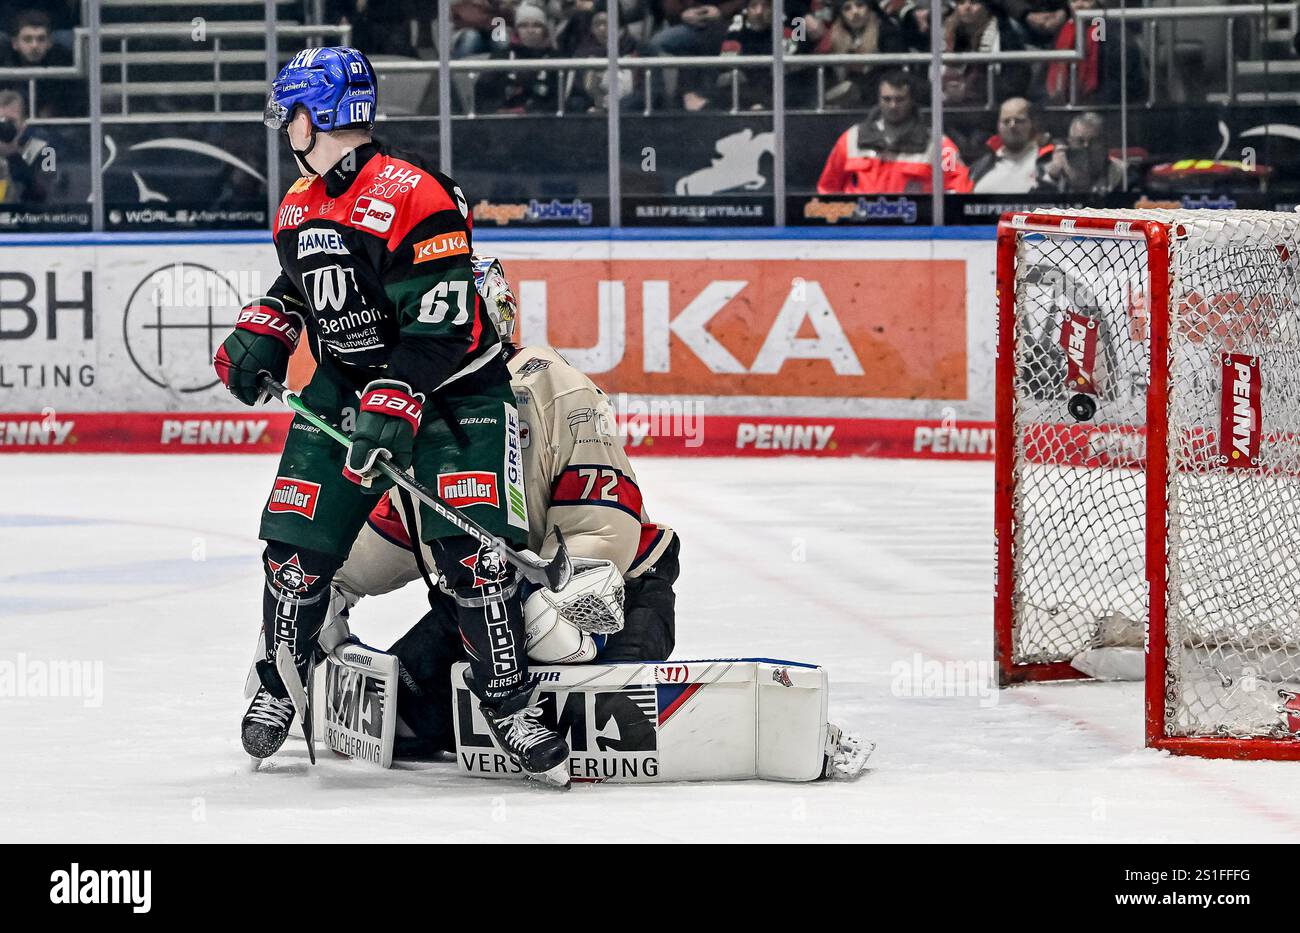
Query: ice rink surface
{"x": 879, "y": 570}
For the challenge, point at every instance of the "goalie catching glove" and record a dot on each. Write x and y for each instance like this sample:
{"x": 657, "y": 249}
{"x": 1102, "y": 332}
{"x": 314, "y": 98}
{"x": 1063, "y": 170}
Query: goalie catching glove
{"x": 263, "y": 340}
{"x": 570, "y": 626}
{"x": 387, "y": 421}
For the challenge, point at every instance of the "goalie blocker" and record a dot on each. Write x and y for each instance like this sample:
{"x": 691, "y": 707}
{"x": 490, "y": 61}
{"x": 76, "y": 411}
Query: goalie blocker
{"x": 710, "y": 720}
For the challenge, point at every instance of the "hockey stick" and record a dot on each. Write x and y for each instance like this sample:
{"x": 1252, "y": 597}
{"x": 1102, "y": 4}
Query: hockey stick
{"x": 554, "y": 574}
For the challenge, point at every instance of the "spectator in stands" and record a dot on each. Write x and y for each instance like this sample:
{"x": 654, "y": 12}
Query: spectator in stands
{"x": 474, "y": 23}
{"x": 695, "y": 27}
{"x": 913, "y": 20}
{"x": 1101, "y": 74}
{"x": 750, "y": 34}
{"x": 634, "y": 19}
{"x": 976, "y": 26}
{"x": 379, "y": 27}
{"x": 531, "y": 91}
{"x": 31, "y": 46}
{"x": 590, "y": 90}
{"x": 859, "y": 27}
{"x": 28, "y": 162}
{"x": 1083, "y": 164}
{"x": 1039, "y": 21}
{"x": 1017, "y": 153}
{"x": 890, "y": 152}
{"x": 64, "y": 16}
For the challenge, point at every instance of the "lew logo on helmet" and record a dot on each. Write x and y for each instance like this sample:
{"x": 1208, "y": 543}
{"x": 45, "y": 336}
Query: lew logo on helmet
{"x": 373, "y": 214}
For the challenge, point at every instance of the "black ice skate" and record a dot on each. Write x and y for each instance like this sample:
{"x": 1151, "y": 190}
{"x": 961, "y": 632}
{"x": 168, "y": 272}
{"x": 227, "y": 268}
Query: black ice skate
{"x": 518, "y": 729}
{"x": 266, "y": 724}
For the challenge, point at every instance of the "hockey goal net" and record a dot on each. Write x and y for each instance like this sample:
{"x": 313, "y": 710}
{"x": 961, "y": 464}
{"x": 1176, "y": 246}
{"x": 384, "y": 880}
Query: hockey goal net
{"x": 1148, "y": 463}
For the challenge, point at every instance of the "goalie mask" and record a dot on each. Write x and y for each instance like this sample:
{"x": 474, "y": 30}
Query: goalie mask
{"x": 502, "y": 308}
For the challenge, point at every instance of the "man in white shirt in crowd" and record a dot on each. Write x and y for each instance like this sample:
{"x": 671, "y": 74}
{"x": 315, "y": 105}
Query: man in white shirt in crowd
{"x": 1012, "y": 167}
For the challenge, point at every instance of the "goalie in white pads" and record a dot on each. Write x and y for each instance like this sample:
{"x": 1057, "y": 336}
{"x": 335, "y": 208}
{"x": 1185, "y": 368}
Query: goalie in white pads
{"x": 619, "y": 608}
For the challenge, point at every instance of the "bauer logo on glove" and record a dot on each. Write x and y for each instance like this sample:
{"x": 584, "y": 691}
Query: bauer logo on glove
{"x": 387, "y": 422}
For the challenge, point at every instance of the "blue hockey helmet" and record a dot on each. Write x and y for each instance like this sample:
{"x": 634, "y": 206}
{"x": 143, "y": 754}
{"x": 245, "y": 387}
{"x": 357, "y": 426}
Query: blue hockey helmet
{"x": 336, "y": 85}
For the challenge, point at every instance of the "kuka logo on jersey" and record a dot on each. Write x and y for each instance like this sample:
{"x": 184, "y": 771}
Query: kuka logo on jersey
{"x": 294, "y": 495}
{"x": 441, "y": 247}
{"x": 311, "y": 242}
{"x": 476, "y": 487}
{"x": 1079, "y": 341}
{"x": 1239, "y": 410}
{"x": 373, "y": 214}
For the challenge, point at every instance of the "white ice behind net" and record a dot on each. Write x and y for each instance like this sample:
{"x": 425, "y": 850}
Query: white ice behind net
{"x": 1234, "y": 534}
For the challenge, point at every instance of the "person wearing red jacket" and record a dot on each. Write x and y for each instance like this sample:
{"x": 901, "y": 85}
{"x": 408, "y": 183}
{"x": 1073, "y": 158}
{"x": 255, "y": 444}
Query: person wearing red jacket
{"x": 890, "y": 151}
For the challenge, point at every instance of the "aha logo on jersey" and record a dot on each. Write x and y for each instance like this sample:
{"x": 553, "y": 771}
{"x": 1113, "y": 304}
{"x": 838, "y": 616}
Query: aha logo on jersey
{"x": 373, "y": 214}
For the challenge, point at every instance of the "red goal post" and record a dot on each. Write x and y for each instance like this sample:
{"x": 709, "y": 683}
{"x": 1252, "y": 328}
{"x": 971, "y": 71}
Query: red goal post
{"x": 1147, "y": 460}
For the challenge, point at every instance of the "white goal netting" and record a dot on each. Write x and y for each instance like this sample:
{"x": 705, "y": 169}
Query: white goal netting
{"x": 1084, "y": 307}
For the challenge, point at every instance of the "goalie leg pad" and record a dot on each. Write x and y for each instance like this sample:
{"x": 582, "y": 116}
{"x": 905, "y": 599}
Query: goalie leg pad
{"x": 427, "y": 653}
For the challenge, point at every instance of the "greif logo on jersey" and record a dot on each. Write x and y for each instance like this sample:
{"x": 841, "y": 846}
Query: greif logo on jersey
{"x": 473, "y": 487}
{"x": 441, "y": 247}
{"x": 513, "y": 470}
{"x": 1079, "y": 341}
{"x": 373, "y": 214}
{"x": 294, "y": 495}
{"x": 1239, "y": 411}
{"x": 311, "y": 242}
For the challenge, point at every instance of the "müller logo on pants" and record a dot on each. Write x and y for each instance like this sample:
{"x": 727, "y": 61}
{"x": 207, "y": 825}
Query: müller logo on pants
{"x": 1239, "y": 411}
{"x": 477, "y": 487}
{"x": 294, "y": 495}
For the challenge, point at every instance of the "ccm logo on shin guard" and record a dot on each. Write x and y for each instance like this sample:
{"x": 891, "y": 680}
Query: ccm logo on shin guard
{"x": 476, "y": 487}
{"x": 294, "y": 495}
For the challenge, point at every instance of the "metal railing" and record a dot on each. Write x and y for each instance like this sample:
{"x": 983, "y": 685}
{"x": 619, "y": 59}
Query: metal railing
{"x": 89, "y": 60}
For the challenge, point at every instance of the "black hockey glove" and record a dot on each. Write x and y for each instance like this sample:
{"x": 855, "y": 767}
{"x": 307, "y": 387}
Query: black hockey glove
{"x": 263, "y": 339}
{"x": 387, "y": 422}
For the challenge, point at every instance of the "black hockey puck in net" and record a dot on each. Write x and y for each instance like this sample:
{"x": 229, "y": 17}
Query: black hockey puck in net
{"x": 1082, "y": 407}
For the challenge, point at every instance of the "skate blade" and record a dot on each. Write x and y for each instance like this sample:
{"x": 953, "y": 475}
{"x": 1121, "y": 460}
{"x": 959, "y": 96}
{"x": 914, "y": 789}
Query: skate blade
{"x": 846, "y": 756}
{"x": 557, "y": 778}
